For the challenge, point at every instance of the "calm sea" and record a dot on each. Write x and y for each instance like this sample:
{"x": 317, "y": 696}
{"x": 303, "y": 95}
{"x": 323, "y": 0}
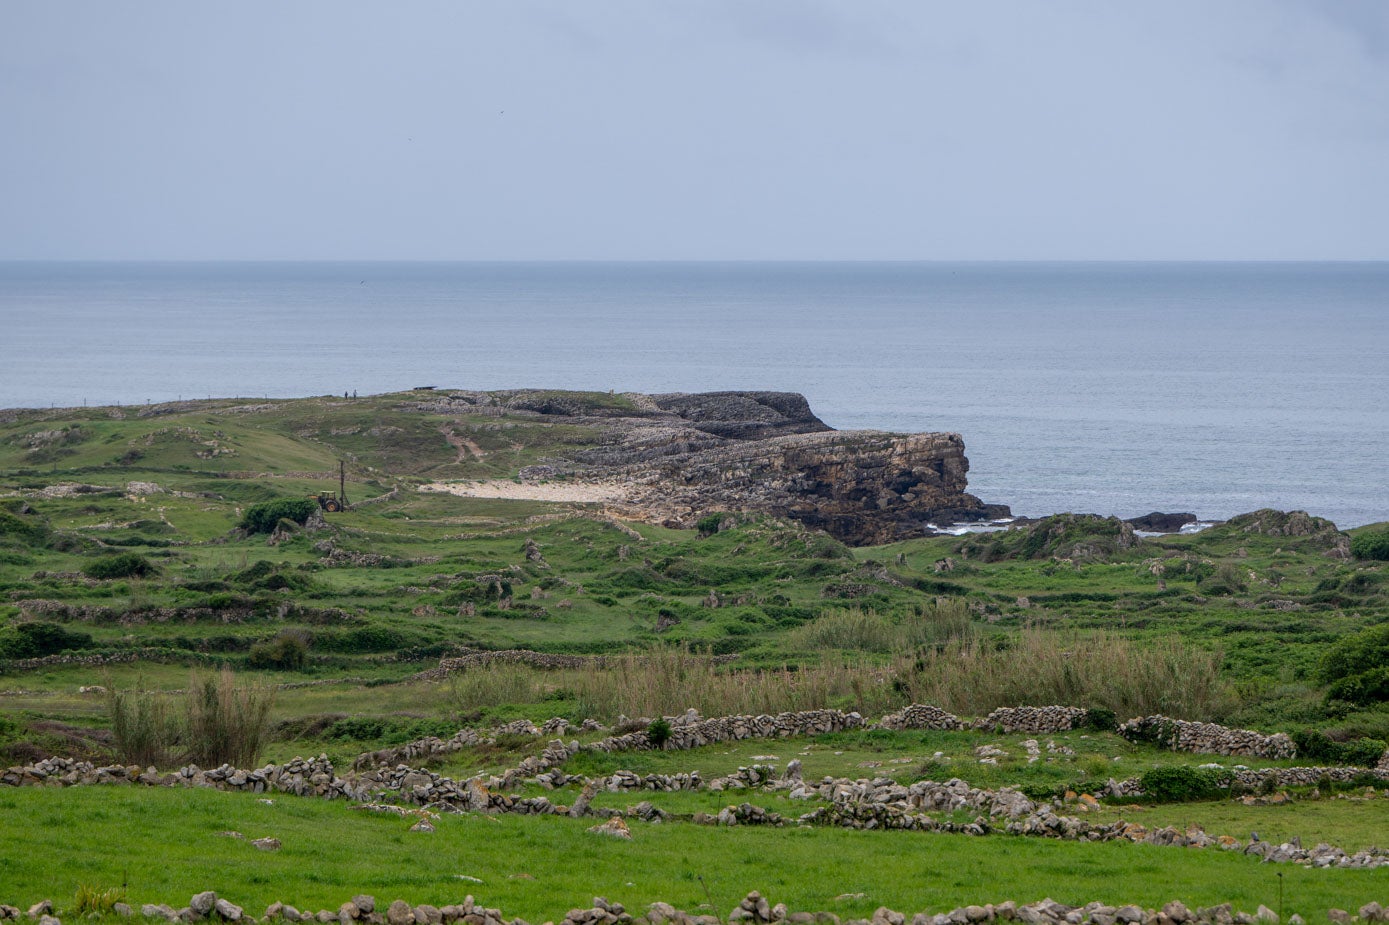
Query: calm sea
{"x": 1109, "y": 387}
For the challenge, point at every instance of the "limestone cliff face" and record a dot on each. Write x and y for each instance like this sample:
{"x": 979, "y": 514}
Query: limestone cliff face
{"x": 865, "y": 487}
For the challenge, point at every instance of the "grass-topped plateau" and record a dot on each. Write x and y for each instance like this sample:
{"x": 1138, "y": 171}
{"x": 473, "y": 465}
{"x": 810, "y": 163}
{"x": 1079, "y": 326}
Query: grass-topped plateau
{"x": 142, "y": 550}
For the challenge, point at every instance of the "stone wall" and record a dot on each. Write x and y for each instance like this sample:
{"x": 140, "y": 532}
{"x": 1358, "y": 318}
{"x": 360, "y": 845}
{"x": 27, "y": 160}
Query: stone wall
{"x": 753, "y": 909}
{"x": 1206, "y": 738}
{"x": 921, "y": 716}
{"x": 1034, "y": 720}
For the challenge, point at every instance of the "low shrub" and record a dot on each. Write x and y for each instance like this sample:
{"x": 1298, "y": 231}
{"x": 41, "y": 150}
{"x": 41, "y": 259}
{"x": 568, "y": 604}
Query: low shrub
{"x": 388, "y": 729}
{"x": 35, "y": 640}
{"x": 1371, "y": 544}
{"x": 1101, "y": 719}
{"x": 286, "y": 652}
{"x": 1357, "y": 667}
{"x": 709, "y": 524}
{"x": 1313, "y": 744}
{"x": 263, "y": 517}
{"x": 1180, "y": 784}
{"x": 658, "y": 733}
{"x": 363, "y": 639}
{"x": 124, "y": 565}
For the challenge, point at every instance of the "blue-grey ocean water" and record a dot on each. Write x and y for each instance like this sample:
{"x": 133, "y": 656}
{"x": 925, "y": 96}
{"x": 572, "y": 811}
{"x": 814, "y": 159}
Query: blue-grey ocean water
{"x": 1115, "y": 388}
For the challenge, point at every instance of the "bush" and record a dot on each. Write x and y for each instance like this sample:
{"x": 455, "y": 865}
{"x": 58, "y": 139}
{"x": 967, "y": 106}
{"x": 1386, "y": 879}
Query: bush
{"x": 35, "y": 640}
{"x": 286, "y": 652}
{"x": 389, "y": 729}
{"x": 1316, "y": 745}
{"x": 1184, "y": 784}
{"x": 125, "y": 565}
{"x": 263, "y": 517}
{"x": 1357, "y": 667}
{"x": 709, "y": 524}
{"x": 1101, "y": 719}
{"x": 1363, "y": 689}
{"x": 1227, "y": 579}
{"x": 1370, "y": 544}
{"x": 364, "y": 639}
{"x": 658, "y": 733}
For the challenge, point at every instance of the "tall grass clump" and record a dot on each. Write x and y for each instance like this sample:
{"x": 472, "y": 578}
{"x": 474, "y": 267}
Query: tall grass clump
{"x": 666, "y": 681}
{"x": 227, "y": 723}
{"x": 935, "y": 622}
{"x": 500, "y": 685}
{"x": 97, "y": 901}
{"x": 853, "y": 629}
{"x": 849, "y": 628}
{"x": 144, "y": 729}
{"x": 1040, "y": 667}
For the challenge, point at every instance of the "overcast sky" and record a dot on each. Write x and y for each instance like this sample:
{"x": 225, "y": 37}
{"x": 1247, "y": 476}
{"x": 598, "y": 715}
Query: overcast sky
{"x": 643, "y": 129}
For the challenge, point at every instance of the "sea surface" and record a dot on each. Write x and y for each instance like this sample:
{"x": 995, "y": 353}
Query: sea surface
{"x": 1114, "y": 388}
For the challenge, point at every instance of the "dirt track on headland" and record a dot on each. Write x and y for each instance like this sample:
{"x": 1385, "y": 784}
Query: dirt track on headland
{"x": 574, "y": 492}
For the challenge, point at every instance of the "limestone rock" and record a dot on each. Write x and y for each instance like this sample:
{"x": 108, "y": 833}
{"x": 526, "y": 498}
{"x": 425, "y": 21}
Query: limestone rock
{"x": 228, "y": 911}
{"x": 1158, "y": 522}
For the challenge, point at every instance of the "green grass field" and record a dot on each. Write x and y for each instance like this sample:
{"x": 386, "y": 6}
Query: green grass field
{"x": 163, "y": 846}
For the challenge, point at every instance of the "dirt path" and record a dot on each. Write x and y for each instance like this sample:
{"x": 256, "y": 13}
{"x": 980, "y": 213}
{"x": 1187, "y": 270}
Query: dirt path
{"x": 577, "y": 492}
{"x": 463, "y": 445}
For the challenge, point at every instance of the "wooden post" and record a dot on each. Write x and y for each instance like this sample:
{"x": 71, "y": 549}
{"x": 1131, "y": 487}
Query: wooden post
{"x": 342, "y": 482}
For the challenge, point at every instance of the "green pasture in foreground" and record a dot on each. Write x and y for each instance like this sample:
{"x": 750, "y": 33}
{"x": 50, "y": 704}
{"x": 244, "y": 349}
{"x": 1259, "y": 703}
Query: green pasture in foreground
{"x": 165, "y": 845}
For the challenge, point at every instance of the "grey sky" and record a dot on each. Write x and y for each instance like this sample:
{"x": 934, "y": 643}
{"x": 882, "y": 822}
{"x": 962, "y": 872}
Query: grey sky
{"x": 745, "y": 129}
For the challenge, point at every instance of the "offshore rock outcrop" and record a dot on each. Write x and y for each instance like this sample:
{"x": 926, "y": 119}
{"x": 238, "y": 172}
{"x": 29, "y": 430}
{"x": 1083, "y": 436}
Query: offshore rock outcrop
{"x": 682, "y": 456}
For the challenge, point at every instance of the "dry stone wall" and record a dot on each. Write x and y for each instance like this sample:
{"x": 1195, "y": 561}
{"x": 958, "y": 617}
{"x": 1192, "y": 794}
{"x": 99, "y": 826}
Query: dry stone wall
{"x": 921, "y": 716}
{"x": 1034, "y": 720}
{"x": 753, "y": 909}
{"x": 1207, "y": 738}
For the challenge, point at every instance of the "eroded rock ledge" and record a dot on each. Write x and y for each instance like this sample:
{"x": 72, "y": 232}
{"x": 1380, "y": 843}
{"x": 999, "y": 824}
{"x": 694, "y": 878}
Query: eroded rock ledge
{"x": 683, "y": 456}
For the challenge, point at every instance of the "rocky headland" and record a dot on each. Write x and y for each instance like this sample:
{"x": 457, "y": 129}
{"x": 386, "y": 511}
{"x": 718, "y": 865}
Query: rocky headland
{"x": 678, "y": 457}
